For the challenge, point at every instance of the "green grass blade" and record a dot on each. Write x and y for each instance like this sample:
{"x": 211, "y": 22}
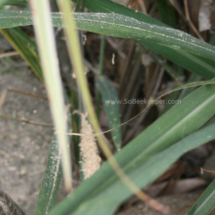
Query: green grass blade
{"x": 51, "y": 180}
{"x": 80, "y": 6}
{"x": 162, "y": 160}
{"x": 205, "y": 203}
{"x": 109, "y": 93}
{"x": 167, "y": 13}
{"x": 153, "y": 36}
{"x": 196, "y": 64}
{"x": 26, "y": 48}
{"x": 105, "y": 191}
{"x": 25, "y": 39}
{"x": 122, "y": 26}
{"x": 48, "y": 56}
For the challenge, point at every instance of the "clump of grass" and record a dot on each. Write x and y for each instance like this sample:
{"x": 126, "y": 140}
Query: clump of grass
{"x": 143, "y": 157}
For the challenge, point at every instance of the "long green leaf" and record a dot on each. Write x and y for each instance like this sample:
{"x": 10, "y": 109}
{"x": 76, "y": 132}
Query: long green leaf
{"x": 105, "y": 191}
{"x": 167, "y": 13}
{"x": 26, "y": 48}
{"x": 109, "y": 94}
{"x": 51, "y": 180}
{"x": 121, "y": 26}
{"x": 205, "y": 203}
{"x": 191, "y": 62}
{"x": 19, "y": 33}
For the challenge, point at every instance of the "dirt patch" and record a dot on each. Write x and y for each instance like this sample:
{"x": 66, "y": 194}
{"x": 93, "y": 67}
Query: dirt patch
{"x": 23, "y": 147}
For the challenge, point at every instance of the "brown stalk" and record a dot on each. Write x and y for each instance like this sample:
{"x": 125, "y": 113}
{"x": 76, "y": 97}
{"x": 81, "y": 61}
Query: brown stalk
{"x": 187, "y": 14}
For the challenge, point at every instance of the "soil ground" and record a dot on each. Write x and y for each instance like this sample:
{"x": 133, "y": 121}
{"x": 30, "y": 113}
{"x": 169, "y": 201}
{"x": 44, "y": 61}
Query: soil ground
{"x": 23, "y": 147}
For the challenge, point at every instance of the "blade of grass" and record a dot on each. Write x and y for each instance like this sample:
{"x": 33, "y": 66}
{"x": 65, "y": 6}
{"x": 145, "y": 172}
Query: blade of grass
{"x": 122, "y": 26}
{"x": 47, "y": 50}
{"x": 101, "y": 67}
{"x": 109, "y": 95}
{"x": 205, "y": 203}
{"x": 101, "y": 56}
{"x": 167, "y": 13}
{"x": 193, "y": 78}
{"x": 19, "y": 33}
{"x": 51, "y": 180}
{"x": 25, "y": 47}
{"x": 80, "y": 5}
